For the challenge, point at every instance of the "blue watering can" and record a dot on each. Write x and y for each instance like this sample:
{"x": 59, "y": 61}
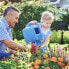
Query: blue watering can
{"x": 32, "y": 33}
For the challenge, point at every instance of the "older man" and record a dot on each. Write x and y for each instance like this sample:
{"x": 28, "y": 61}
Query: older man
{"x": 9, "y": 19}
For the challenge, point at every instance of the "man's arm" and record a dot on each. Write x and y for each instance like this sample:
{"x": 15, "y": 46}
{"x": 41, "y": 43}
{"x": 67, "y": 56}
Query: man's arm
{"x": 13, "y": 45}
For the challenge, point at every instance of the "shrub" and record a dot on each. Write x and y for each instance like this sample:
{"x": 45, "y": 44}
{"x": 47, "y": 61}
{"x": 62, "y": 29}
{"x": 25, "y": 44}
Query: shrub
{"x": 65, "y": 18}
{"x": 33, "y": 12}
{"x": 56, "y": 36}
{"x": 28, "y": 13}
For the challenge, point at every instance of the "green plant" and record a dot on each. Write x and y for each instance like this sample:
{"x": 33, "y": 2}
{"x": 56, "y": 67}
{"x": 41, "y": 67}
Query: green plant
{"x": 26, "y": 60}
{"x": 64, "y": 18}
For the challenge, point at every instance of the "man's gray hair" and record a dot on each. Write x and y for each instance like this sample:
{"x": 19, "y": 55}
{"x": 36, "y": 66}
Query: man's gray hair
{"x": 9, "y": 8}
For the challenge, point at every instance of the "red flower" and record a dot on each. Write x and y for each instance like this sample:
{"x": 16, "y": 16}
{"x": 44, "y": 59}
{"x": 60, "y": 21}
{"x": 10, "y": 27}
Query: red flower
{"x": 38, "y": 61}
{"x": 53, "y": 59}
{"x": 59, "y": 63}
{"x": 63, "y": 64}
{"x": 47, "y": 68}
{"x": 68, "y": 64}
{"x": 32, "y": 68}
{"x": 60, "y": 59}
{"x": 34, "y": 59}
{"x": 45, "y": 56}
{"x": 40, "y": 57}
{"x": 39, "y": 47}
{"x": 9, "y": 57}
{"x": 30, "y": 60}
{"x": 16, "y": 60}
{"x": 35, "y": 64}
{"x": 67, "y": 48}
{"x": 24, "y": 45}
{"x": 33, "y": 48}
{"x": 3, "y": 59}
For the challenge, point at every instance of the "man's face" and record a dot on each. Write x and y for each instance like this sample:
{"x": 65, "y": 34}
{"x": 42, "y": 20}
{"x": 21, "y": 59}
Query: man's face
{"x": 13, "y": 18}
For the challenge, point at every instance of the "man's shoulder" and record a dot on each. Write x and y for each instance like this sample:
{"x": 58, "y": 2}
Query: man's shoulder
{"x": 1, "y": 24}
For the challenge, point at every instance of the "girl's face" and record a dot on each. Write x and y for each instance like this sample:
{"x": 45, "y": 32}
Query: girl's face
{"x": 47, "y": 23}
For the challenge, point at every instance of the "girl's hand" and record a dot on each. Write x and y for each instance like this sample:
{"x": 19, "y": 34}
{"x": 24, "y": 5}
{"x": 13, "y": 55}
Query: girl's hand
{"x": 34, "y": 21}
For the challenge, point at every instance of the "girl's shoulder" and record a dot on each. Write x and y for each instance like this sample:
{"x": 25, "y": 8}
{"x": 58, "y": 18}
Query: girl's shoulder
{"x": 48, "y": 31}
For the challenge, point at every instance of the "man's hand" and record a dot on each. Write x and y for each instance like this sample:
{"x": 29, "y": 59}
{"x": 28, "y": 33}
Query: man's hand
{"x": 26, "y": 48}
{"x": 12, "y": 51}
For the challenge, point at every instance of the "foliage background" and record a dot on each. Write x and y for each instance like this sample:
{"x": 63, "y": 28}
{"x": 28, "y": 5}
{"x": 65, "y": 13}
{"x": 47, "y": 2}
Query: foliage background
{"x": 33, "y": 12}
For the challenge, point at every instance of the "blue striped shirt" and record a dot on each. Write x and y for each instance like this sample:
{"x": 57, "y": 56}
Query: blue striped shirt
{"x": 5, "y": 33}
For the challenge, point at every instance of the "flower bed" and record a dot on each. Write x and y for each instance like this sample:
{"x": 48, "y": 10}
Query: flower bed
{"x": 53, "y": 58}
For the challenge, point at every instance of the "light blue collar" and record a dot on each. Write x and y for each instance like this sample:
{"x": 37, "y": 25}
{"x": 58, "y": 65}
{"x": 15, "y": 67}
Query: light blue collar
{"x": 5, "y": 22}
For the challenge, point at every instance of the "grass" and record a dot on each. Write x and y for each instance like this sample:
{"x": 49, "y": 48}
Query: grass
{"x": 62, "y": 45}
{"x": 22, "y": 42}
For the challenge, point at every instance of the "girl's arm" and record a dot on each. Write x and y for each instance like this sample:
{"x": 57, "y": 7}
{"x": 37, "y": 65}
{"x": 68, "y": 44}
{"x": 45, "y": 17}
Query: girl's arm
{"x": 45, "y": 42}
{"x": 29, "y": 24}
{"x": 33, "y": 22}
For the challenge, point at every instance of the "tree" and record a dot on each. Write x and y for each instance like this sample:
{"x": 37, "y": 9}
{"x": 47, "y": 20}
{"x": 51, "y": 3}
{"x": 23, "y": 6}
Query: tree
{"x": 12, "y": 1}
